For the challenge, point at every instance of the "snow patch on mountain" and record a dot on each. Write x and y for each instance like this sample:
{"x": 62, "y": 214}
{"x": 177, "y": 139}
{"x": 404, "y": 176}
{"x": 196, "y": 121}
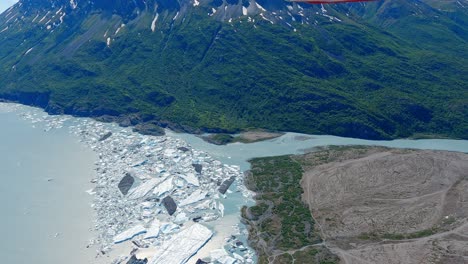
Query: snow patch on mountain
{"x": 260, "y": 7}
{"x": 28, "y": 51}
{"x": 153, "y": 23}
{"x": 44, "y": 17}
{"x": 118, "y": 29}
{"x": 73, "y": 4}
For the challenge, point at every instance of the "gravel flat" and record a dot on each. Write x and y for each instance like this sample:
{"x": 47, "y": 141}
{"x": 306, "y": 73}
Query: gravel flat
{"x": 379, "y": 205}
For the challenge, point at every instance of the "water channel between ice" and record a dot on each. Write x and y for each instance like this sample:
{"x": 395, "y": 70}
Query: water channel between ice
{"x": 45, "y": 175}
{"x": 296, "y": 143}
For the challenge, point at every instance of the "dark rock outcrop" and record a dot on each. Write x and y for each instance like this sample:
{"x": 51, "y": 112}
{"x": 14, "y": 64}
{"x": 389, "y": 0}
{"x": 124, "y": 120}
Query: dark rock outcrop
{"x": 134, "y": 260}
{"x": 126, "y": 184}
{"x": 149, "y": 129}
{"x": 226, "y": 184}
{"x": 170, "y": 205}
{"x": 198, "y": 167}
{"x": 183, "y": 149}
{"x": 105, "y": 136}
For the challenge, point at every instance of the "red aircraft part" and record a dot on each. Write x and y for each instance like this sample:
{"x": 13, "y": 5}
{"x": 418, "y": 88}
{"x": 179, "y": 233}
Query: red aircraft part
{"x": 329, "y": 1}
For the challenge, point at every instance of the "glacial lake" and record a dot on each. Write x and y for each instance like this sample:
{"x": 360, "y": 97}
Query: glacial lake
{"x": 46, "y": 213}
{"x": 45, "y": 175}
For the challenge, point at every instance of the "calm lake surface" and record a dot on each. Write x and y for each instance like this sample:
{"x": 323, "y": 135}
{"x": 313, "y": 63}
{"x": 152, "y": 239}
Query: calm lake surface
{"x": 47, "y": 215}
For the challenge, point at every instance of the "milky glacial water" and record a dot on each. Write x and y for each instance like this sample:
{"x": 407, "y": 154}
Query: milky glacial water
{"x": 295, "y": 143}
{"x": 46, "y": 215}
{"x": 291, "y": 143}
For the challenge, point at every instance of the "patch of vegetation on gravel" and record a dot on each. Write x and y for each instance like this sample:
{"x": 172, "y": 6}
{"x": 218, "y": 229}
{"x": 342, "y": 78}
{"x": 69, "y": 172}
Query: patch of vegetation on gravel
{"x": 280, "y": 221}
{"x": 398, "y": 236}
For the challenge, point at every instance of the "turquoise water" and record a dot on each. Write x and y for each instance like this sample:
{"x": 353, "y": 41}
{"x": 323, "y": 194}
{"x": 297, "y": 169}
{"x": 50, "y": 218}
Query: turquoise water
{"x": 46, "y": 213}
{"x": 47, "y": 217}
{"x": 294, "y": 143}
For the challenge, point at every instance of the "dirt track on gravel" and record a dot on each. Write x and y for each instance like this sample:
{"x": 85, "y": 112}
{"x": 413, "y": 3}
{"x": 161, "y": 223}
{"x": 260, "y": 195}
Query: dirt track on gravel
{"x": 378, "y": 205}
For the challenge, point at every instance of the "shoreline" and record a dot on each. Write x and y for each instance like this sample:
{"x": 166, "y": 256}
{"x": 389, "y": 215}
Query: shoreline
{"x": 237, "y": 153}
{"x": 173, "y": 152}
{"x": 47, "y": 175}
{"x": 245, "y": 137}
{"x": 166, "y": 158}
{"x": 155, "y": 127}
{"x": 346, "y": 199}
{"x": 388, "y": 205}
{"x": 281, "y": 228}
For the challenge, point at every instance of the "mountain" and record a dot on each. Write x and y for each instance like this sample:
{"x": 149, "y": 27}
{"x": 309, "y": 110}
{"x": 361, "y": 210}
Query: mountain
{"x": 378, "y": 70}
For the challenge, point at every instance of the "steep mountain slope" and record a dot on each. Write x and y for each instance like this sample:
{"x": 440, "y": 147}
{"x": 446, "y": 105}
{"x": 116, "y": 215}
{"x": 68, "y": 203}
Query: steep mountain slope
{"x": 387, "y": 69}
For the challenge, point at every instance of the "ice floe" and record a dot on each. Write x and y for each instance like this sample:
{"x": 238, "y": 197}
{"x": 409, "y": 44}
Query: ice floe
{"x": 182, "y": 246}
{"x": 150, "y": 190}
{"x": 153, "y": 231}
{"x": 144, "y": 189}
{"x": 163, "y": 188}
{"x": 129, "y": 234}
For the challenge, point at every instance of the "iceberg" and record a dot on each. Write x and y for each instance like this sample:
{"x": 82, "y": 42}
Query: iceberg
{"x": 153, "y": 231}
{"x": 179, "y": 183}
{"x": 181, "y": 218}
{"x": 196, "y": 196}
{"x": 147, "y": 213}
{"x": 163, "y": 187}
{"x": 221, "y": 209}
{"x": 227, "y": 260}
{"x": 129, "y": 234}
{"x": 168, "y": 228}
{"x": 190, "y": 178}
{"x": 144, "y": 188}
{"x": 221, "y": 256}
{"x": 182, "y": 246}
{"x": 147, "y": 205}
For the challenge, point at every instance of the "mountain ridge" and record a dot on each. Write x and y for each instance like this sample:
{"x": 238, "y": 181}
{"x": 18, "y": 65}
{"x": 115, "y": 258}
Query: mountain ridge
{"x": 226, "y": 66}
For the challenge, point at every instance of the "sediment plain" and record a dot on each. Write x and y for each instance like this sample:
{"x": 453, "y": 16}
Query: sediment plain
{"x": 381, "y": 205}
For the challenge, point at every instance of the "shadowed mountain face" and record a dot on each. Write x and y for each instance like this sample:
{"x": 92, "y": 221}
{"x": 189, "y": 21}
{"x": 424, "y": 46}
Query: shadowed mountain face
{"x": 377, "y": 70}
